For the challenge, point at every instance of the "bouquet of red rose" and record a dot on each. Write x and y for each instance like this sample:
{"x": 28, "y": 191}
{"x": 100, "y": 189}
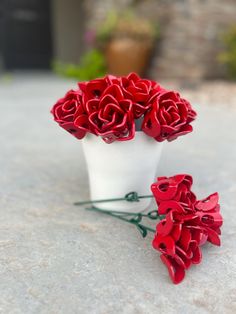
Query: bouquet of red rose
{"x": 112, "y": 107}
{"x": 186, "y": 223}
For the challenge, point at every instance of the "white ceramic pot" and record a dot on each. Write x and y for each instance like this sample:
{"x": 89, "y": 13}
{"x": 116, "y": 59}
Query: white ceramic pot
{"x": 121, "y": 167}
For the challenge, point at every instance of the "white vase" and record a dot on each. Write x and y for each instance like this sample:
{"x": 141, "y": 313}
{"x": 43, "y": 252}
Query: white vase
{"x": 121, "y": 167}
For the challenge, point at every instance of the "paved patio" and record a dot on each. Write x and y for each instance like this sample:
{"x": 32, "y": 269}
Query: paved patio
{"x": 57, "y": 258}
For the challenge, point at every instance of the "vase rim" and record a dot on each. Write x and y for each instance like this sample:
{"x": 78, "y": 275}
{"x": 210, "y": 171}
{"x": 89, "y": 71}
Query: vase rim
{"x": 139, "y": 135}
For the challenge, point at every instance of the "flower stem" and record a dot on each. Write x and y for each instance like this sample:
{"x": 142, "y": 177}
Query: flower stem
{"x": 135, "y": 221}
{"x": 129, "y": 197}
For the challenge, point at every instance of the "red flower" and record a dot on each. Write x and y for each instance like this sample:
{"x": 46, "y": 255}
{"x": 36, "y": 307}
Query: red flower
{"x": 110, "y": 115}
{"x": 169, "y": 117}
{"x": 187, "y": 226}
{"x": 176, "y": 188}
{"x": 179, "y": 237}
{"x": 65, "y": 110}
{"x": 109, "y": 106}
{"x": 93, "y": 89}
{"x": 140, "y": 91}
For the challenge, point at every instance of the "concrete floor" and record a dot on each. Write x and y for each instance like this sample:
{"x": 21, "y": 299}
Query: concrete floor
{"x": 57, "y": 258}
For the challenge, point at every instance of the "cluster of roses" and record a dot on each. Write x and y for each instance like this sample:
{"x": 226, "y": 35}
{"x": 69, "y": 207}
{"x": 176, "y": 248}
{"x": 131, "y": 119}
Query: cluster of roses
{"x": 109, "y": 106}
{"x": 187, "y": 226}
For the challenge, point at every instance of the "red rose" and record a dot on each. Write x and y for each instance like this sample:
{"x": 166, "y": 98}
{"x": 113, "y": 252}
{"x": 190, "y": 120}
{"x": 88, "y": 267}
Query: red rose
{"x": 93, "y": 89}
{"x": 65, "y": 110}
{"x": 109, "y": 106}
{"x": 187, "y": 226}
{"x": 169, "y": 117}
{"x": 179, "y": 237}
{"x": 174, "y": 189}
{"x": 110, "y": 115}
{"x": 140, "y": 91}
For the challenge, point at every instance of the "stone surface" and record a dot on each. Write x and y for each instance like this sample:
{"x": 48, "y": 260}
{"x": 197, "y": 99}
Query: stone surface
{"x": 57, "y": 258}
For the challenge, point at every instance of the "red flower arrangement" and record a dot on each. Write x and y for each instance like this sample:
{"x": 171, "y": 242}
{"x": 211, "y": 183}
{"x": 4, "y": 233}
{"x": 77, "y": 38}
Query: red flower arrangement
{"x": 187, "y": 226}
{"x": 186, "y": 223}
{"x": 109, "y": 106}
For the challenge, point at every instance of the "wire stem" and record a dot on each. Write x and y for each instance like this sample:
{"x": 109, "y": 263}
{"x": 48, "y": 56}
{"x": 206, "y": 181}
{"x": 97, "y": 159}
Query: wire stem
{"x": 129, "y": 197}
{"x": 120, "y": 216}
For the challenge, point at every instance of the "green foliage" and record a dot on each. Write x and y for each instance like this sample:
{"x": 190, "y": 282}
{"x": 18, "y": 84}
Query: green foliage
{"x": 108, "y": 26}
{"x": 92, "y": 65}
{"x": 127, "y": 24}
{"x": 229, "y": 56}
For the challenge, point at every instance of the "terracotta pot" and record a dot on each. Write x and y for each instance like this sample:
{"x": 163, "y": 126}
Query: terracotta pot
{"x": 125, "y": 55}
{"x": 121, "y": 167}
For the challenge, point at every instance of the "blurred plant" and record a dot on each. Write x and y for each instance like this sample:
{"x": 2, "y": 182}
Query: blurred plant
{"x": 127, "y": 24}
{"x": 92, "y": 65}
{"x": 228, "y": 57}
{"x": 90, "y": 37}
{"x": 107, "y": 27}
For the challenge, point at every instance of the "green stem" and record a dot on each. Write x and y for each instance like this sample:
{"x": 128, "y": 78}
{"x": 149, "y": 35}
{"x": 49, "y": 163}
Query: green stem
{"x": 115, "y": 214}
{"x": 135, "y": 218}
{"x": 130, "y": 197}
{"x": 120, "y": 213}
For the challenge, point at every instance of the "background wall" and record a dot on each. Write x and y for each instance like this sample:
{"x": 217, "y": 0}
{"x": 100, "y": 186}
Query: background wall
{"x": 190, "y": 31}
{"x": 68, "y": 25}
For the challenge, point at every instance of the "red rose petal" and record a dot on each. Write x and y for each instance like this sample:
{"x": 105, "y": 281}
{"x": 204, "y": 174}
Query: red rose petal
{"x": 213, "y": 236}
{"x": 76, "y": 132}
{"x": 208, "y": 203}
{"x": 133, "y": 76}
{"x": 176, "y": 272}
{"x": 176, "y": 231}
{"x": 166, "y": 206}
{"x": 197, "y": 256}
{"x": 164, "y": 244}
{"x": 115, "y": 91}
{"x": 182, "y": 257}
{"x": 211, "y": 220}
{"x": 185, "y": 239}
{"x": 184, "y": 130}
{"x": 151, "y": 125}
{"x": 164, "y": 190}
{"x": 92, "y": 105}
{"x": 165, "y": 226}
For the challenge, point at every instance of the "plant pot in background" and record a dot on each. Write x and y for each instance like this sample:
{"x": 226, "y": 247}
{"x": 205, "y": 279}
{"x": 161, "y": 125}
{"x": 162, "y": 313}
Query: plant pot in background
{"x": 125, "y": 55}
{"x": 121, "y": 167}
